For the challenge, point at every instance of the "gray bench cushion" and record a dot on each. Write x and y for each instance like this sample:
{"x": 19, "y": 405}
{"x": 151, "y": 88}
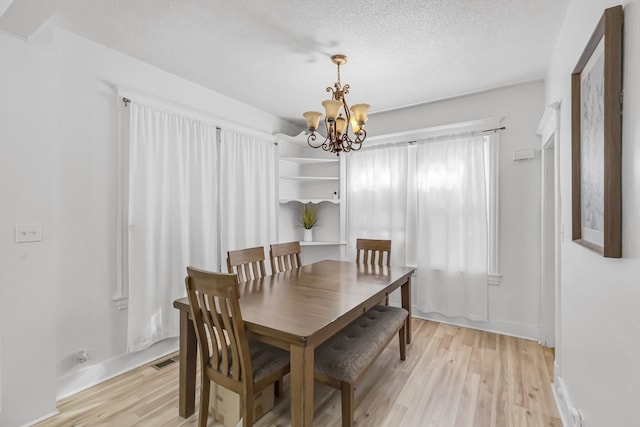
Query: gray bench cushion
{"x": 348, "y": 353}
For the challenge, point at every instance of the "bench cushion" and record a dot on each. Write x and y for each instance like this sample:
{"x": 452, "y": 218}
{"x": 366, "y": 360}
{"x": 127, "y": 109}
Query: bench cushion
{"x": 348, "y": 353}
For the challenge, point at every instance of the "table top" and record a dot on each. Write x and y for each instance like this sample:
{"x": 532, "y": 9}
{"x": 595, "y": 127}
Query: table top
{"x": 308, "y": 303}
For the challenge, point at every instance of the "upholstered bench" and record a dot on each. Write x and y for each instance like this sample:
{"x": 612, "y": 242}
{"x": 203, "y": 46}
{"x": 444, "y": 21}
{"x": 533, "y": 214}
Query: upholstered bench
{"x": 342, "y": 360}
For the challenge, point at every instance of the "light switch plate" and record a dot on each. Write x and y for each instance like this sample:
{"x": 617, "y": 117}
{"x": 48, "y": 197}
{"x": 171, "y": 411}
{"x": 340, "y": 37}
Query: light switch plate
{"x": 28, "y": 232}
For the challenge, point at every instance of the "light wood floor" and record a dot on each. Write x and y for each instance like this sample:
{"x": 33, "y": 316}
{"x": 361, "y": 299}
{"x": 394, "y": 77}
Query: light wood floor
{"x": 453, "y": 377}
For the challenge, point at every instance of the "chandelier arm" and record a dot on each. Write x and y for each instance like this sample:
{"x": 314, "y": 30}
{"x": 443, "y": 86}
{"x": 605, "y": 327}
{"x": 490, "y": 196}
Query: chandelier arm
{"x": 311, "y": 139}
{"x": 361, "y": 137}
{"x": 326, "y": 145}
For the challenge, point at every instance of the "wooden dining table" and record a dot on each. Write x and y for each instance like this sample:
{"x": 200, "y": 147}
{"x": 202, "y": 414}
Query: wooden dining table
{"x": 297, "y": 310}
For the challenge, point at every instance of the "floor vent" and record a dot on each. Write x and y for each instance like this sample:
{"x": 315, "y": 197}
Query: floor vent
{"x": 162, "y": 364}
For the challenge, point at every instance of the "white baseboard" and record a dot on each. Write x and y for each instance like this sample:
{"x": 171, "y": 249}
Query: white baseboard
{"x": 95, "y": 374}
{"x": 561, "y": 397}
{"x": 42, "y": 418}
{"x": 518, "y": 330}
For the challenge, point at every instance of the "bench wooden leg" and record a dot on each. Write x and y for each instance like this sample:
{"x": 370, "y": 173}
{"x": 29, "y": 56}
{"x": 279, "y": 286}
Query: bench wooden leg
{"x": 348, "y": 403}
{"x": 278, "y": 388}
{"x": 403, "y": 343}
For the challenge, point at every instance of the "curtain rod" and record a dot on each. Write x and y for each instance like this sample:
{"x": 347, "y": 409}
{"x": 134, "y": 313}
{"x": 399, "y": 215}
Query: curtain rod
{"x": 247, "y": 131}
{"x": 433, "y": 138}
{"x": 494, "y": 129}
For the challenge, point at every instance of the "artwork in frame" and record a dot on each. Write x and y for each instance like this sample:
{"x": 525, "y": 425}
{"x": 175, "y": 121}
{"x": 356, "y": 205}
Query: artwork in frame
{"x": 596, "y": 139}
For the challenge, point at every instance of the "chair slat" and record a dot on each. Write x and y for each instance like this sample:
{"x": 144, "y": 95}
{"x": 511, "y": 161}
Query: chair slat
{"x": 285, "y": 256}
{"x": 373, "y": 251}
{"x": 248, "y": 263}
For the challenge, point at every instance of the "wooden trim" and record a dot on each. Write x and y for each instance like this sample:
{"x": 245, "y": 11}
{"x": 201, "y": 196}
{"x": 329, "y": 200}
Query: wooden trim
{"x": 609, "y": 27}
{"x": 613, "y": 133}
{"x": 576, "y": 200}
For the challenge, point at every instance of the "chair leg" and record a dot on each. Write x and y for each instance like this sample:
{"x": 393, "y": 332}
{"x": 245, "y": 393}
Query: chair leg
{"x": 205, "y": 389}
{"x": 278, "y": 388}
{"x": 247, "y": 408}
{"x": 403, "y": 342}
{"x": 348, "y": 403}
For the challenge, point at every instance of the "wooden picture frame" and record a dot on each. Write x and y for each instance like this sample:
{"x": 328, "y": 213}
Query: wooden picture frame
{"x": 596, "y": 139}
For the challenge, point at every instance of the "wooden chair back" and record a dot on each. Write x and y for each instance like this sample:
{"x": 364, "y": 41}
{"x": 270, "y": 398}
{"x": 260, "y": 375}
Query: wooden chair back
{"x": 227, "y": 352}
{"x": 220, "y": 331}
{"x": 284, "y": 256}
{"x": 373, "y": 251}
{"x": 248, "y": 264}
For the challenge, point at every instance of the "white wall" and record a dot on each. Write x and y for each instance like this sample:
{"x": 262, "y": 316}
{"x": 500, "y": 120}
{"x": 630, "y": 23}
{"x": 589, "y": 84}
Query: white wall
{"x": 57, "y": 167}
{"x": 514, "y": 305}
{"x": 27, "y": 291}
{"x": 600, "y": 297}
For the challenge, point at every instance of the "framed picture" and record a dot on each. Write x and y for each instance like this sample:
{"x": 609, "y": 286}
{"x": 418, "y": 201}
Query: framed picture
{"x": 596, "y": 139}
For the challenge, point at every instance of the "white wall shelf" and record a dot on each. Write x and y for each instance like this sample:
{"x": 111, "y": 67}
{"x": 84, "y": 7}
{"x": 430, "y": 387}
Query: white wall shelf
{"x": 314, "y": 201}
{"x": 308, "y": 160}
{"x": 311, "y": 178}
{"x": 306, "y": 177}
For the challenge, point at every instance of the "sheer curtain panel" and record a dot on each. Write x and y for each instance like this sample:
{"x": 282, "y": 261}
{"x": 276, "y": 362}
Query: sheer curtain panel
{"x": 452, "y": 228}
{"x": 377, "y": 198}
{"x": 172, "y": 216}
{"x": 248, "y": 192}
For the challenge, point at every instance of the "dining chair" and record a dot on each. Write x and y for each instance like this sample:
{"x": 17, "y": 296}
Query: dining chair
{"x": 248, "y": 263}
{"x": 229, "y": 356}
{"x": 373, "y": 251}
{"x": 284, "y": 256}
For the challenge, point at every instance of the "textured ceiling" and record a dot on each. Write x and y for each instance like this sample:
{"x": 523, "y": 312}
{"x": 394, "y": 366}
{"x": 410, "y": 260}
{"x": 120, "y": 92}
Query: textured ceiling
{"x": 274, "y": 55}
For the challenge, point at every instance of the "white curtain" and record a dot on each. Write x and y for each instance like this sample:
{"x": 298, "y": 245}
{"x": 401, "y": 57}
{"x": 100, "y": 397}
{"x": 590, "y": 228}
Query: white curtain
{"x": 172, "y": 216}
{"x": 452, "y": 228}
{"x": 248, "y": 192}
{"x": 377, "y": 198}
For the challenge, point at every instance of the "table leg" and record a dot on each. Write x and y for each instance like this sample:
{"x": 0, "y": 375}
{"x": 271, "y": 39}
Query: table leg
{"x": 301, "y": 385}
{"x": 406, "y": 304}
{"x": 188, "y": 360}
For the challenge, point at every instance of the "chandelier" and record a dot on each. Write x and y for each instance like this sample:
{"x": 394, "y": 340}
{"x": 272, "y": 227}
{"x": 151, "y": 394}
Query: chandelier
{"x": 343, "y": 133}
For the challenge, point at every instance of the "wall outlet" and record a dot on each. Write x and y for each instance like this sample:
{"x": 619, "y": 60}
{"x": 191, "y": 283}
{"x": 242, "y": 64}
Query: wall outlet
{"x": 82, "y": 356}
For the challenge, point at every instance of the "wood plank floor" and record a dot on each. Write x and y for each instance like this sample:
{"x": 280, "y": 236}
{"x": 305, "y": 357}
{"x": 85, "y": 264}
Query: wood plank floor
{"x": 453, "y": 377}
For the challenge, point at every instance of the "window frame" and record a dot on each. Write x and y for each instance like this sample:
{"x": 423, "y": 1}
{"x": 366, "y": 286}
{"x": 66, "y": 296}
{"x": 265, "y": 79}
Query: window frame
{"x": 489, "y": 128}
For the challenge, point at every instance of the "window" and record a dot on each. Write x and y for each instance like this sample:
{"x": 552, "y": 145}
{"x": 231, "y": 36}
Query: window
{"x": 375, "y": 164}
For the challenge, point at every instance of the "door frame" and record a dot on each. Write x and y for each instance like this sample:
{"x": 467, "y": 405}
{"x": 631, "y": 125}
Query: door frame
{"x": 550, "y": 319}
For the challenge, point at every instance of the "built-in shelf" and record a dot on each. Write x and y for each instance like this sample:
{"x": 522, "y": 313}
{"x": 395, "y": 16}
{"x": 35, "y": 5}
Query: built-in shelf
{"x": 311, "y": 178}
{"x": 314, "y": 201}
{"x": 308, "y": 160}
{"x": 305, "y": 178}
{"x": 322, "y": 243}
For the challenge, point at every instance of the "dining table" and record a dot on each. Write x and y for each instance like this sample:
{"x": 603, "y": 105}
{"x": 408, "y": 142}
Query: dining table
{"x": 297, "y": 310}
